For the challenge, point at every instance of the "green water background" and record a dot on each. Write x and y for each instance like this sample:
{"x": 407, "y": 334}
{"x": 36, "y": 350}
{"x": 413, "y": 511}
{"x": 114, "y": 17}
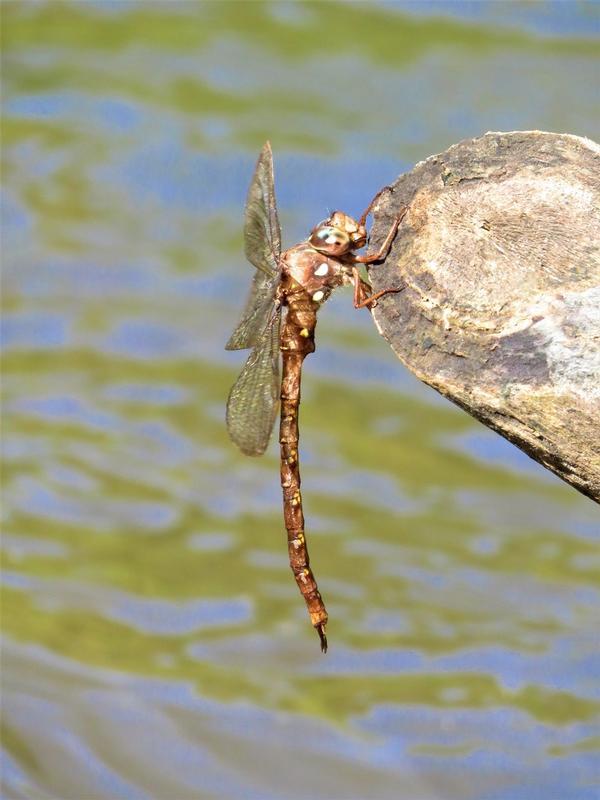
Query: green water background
{"x": 154, "y": 642}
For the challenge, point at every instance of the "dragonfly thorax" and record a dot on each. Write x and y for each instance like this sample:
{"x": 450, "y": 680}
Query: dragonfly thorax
{"x": 338, "y": 235}
{"x": 316, "y": 273}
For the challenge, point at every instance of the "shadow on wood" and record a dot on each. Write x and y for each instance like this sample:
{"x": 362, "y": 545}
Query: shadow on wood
{"x": 500, "y": 257}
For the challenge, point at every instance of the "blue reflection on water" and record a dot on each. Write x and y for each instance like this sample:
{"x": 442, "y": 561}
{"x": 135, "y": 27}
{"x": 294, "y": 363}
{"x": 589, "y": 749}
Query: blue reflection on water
{"x": 118, "y": 114}
{"x": 113, "y": 114}
{"x": 35, "y": 499}
{"x": 67, "y": 407}
{"x": 200, "y": 182}
{"x": 34, "y": 330}
{"x": 84, "y": 279}
{"x": 147, "y": 614}
{"x": 142, "y": 339}
{"x": 552, "y": 17}
{"x": 150, "y": 394}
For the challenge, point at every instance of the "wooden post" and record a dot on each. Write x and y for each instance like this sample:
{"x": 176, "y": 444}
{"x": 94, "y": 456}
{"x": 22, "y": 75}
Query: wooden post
{"x": 500, "y": 256}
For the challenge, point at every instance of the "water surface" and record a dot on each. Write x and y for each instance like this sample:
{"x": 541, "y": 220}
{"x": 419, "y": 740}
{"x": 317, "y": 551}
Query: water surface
{"x": 155, "y": 645}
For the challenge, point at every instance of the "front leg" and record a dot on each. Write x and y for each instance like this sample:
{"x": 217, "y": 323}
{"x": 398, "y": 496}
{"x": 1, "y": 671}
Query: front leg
{"x": 385, "y": 247}
{"x": 369, "y": 208}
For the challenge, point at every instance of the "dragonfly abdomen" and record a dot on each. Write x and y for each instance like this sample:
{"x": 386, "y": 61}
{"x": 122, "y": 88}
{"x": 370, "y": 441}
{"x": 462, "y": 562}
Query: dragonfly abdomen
{"x": 297, "y": 341}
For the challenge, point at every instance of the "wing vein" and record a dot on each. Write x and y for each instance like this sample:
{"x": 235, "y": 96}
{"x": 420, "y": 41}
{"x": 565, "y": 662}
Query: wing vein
{"x": 254, "y": 397}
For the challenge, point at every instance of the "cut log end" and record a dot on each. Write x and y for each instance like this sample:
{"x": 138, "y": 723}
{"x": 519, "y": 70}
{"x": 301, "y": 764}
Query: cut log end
{"x": 500, "y": 256}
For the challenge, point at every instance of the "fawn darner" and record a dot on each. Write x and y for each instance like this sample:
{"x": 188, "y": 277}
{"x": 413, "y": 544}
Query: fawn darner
{"x": 298, "y": 280}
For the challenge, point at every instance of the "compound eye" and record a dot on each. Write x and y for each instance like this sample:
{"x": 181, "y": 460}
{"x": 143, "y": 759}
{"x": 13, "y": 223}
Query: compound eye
{"x": 326, "y": 237}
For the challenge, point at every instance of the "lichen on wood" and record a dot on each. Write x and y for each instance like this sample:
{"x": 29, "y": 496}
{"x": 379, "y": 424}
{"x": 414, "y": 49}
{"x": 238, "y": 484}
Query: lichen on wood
{"x": 499, "y": 256}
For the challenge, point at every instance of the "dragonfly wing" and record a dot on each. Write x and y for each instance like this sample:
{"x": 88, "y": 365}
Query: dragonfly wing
{"x": 262, "y": 234}
{"x": 253, "y": 400}
{"x": 257, "y": 312}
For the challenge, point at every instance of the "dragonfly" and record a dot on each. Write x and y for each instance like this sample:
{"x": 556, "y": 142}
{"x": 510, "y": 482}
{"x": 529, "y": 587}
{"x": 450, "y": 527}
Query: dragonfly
{"x": 278, "y": 324}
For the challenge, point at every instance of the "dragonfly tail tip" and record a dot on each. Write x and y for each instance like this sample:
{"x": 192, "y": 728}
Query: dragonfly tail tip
{"x": 321, "y": 631}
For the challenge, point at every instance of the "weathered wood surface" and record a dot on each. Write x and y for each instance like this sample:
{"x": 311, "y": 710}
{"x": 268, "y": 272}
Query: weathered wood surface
{"x": 500, "y": 257}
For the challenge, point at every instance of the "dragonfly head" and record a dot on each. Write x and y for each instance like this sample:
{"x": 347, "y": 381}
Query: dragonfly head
{"x": 338, "y": 235}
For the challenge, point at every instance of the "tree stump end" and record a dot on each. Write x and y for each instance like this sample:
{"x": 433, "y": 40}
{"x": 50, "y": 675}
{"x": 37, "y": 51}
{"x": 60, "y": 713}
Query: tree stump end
{"x": 499, "y": 257}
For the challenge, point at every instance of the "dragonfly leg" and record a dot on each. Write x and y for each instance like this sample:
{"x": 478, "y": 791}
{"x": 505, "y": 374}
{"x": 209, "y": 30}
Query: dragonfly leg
{"x": 385, "y": 247}
{"x": 371, "y": 205}
{"x": 362, "y": 298}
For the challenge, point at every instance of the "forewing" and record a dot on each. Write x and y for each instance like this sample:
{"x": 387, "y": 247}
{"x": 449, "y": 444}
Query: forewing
{"x": 253, "y": 400}
{"x": 262, "y": 234}
{"x": 257, "y": 312}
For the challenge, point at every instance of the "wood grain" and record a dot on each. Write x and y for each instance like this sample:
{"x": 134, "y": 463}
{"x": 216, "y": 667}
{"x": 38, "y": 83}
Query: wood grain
{"x": 500, "y": 257}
